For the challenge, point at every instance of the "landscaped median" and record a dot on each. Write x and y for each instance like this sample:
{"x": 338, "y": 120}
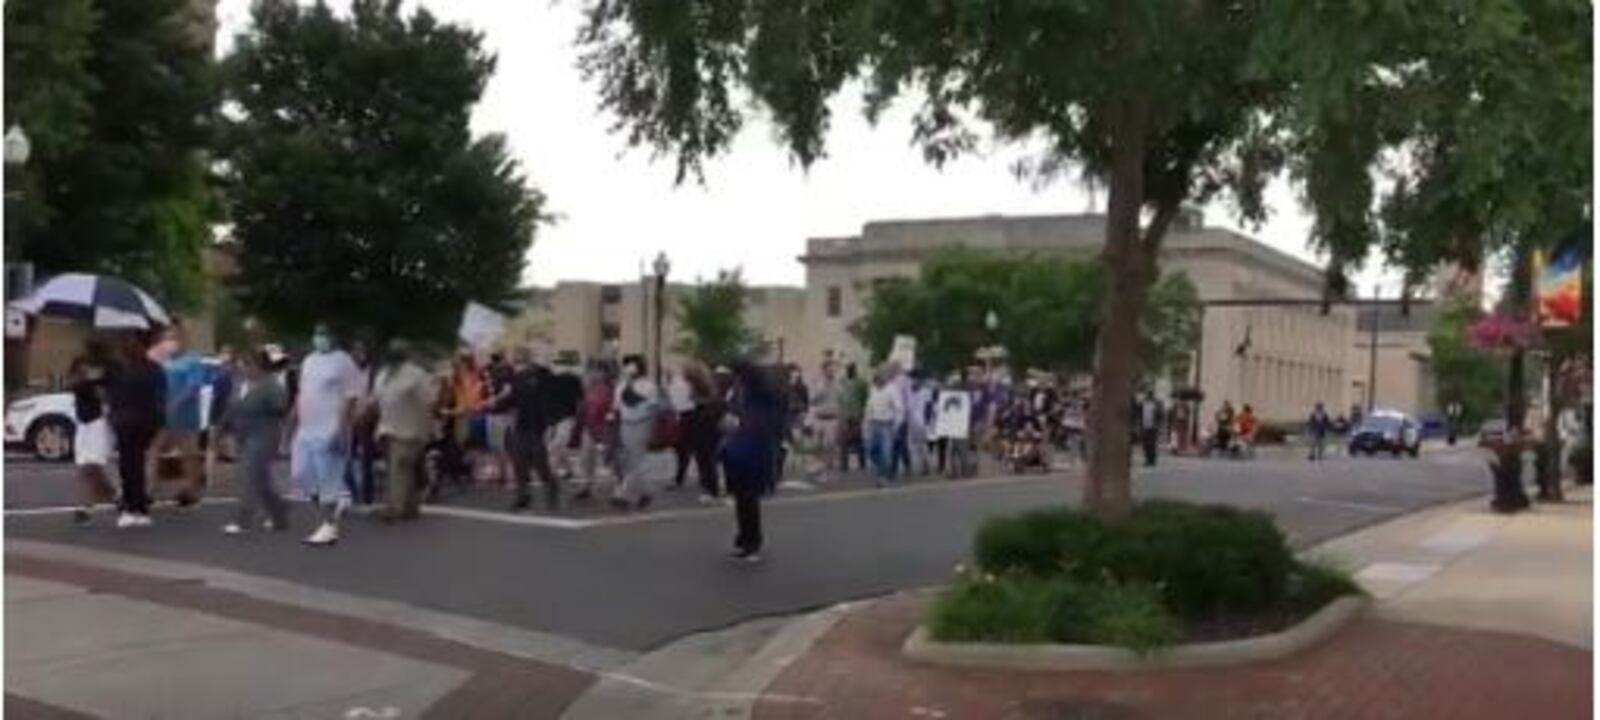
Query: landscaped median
{"x": 1173, "y": 585}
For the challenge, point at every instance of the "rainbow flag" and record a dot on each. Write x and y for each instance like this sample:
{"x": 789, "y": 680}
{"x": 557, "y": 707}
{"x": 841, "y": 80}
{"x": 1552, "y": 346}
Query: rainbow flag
{"x": 1560, "y": 287}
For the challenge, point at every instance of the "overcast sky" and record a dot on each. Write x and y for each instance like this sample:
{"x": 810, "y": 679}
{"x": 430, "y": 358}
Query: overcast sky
{"x": 619, "y": 207}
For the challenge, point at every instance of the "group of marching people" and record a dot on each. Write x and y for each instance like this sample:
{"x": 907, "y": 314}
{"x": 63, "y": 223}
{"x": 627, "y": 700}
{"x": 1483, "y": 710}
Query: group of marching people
{"x": 342, "y": 414}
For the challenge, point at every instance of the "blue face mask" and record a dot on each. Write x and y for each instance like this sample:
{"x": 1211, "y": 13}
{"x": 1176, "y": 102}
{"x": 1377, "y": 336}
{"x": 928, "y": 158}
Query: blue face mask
{"x": 321, "y": 343}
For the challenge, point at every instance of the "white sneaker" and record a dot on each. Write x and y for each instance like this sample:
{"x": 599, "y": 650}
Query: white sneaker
{"x": 127, "y": 520}
{"x": 707, "y": 500}
{"x": 142, "y": 521}
{"x": 232, "y": 529}
{"x": 326, "y": 534}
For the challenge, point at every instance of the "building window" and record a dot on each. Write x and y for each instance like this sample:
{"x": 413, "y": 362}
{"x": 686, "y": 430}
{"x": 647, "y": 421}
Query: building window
{"x": 835, "y": 301}
{"x": 610, "y": 331}
{"x": 610, "y": 294}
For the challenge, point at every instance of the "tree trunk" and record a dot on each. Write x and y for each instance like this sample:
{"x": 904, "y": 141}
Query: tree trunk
{"x": 1549, "y": 463}
{"x": 1509, "y": 494}
{"x": 1129, "y": 263}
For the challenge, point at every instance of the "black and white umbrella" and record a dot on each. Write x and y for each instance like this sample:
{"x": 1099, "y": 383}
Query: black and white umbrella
{"x": 106, "y": 302}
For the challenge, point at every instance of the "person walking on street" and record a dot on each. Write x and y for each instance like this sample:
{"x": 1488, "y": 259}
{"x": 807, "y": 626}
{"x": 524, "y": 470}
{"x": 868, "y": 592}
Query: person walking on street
{"x": 500, "y": 418}
{"x": 180, "y": 433}
{"x": 532, "y": 404}
{"x": 1317, "y": 426}
{"x": 748, "y": 455}
{"x": 137, "y": 402}
{"x": 1452, "y": 414}
{"x": 254, "y": 419}
{"x": 595, "y": 430}
{"x": 853, "y": 408}
{"x": 1149, "y": 418}
{"x": 884, "y": 413}
{"x": 919, "y": 414}
{"x": 363, "y": 438}
{"x": 700, "y": 429}
{"x": 637, "y": 403}
{"x": 330, "y": 384}
{"x": 683, "y": 405}
{"x": 826, "y": 410}
{"x": 405, "y": 395}
{"x": 91, "y": 445}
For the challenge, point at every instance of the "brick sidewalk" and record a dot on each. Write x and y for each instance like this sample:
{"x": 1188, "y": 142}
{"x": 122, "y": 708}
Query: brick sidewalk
{"x": 1374, "y": 669}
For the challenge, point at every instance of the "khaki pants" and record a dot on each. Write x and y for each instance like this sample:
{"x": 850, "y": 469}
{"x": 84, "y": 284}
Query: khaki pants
{"x": 402, "y": 497}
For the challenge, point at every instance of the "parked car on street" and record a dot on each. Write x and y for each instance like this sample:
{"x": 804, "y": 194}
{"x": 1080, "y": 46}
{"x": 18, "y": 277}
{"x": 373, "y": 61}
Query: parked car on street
{"x": 1387, "y": 431}
{"x": 43, "y": 425}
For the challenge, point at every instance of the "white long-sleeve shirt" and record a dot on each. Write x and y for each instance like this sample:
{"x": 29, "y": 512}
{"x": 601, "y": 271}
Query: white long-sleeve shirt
{"x": 885, "y": 405}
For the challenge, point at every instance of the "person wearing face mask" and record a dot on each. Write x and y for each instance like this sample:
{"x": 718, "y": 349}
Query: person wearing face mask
{"x": 186, "y": 376}
{"x": 637, "y": 404}
{"x": 330, "y": 384}
{"x": 255, "y": 420}
{"x": 405, "y": 395}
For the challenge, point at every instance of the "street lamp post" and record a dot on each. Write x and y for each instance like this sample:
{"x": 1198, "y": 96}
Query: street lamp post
{"x": 17, "y": 148}
{"x": 661, "y": 266}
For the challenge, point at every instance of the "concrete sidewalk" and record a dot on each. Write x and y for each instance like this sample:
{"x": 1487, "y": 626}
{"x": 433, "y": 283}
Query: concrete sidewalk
{"x": 1461, "y": 565}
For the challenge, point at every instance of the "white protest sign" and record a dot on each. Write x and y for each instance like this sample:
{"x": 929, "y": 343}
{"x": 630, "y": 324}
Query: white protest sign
{"x": 480, "y": 326}
{"x": 953, "y": 416}
{"x": 904, "y": 353}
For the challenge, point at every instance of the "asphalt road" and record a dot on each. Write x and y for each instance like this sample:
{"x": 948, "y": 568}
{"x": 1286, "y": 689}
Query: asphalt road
{"x": 637, "y": 582}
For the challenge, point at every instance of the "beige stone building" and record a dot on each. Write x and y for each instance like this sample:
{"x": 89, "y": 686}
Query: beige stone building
{"x": 1401, "y": 365}
{"x": 1295, "y": 356}
{"x": 574, "y": 322}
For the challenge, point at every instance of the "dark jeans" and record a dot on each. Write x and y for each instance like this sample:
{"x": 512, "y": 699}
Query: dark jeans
{"x": 528, "y": 453}
{"x": 699, "y": 445}
{"x": 851, "y": 443}
{"x": 747, "y": 512}
{"x": 133, "y": 443}
{"x": 1147, "y": 440}
{"x": 358, "y": 472}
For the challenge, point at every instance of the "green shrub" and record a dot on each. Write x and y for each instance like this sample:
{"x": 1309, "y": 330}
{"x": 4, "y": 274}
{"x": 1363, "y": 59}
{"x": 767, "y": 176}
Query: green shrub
{"x": 1008, "y": 608}
{"x": 1205, "y": 558}
{"x": 1315, "y": 582}
{"x": 1130, "y": 615}
{"x": 1041, "y": 542}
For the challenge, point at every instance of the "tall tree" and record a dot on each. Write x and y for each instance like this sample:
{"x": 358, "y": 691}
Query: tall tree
{"x": 1047, "y": 308}
{"x": 711, "y": 320}
{"x": 1464, "y": 374}
{"x": 1163, "y": 102}
{"x": 358, "y": 194}
{"x": 118, "y": 99}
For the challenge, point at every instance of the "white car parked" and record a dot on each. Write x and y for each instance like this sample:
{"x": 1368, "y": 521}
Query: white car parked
{"x": 43, "y": 424}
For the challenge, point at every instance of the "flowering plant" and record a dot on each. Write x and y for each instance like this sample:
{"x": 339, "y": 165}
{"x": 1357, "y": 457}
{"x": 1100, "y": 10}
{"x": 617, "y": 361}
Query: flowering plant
{"x": 1501, "y": 332}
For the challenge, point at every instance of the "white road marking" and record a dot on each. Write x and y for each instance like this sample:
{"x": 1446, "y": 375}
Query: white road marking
{"x": 64, "y": 509}
{"x": 510, "y": 518}
{"x": 1368, "y": 507}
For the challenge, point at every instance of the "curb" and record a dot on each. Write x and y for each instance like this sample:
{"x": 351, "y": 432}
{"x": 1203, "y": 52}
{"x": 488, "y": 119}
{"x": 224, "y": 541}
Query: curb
{"x": 920, "y": 647}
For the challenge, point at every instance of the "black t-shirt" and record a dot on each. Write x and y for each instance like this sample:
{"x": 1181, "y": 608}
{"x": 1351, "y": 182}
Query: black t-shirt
{"x": 86, "y": 402}
{"x": 499, "y": 375}
{"x": 138, "y": 395}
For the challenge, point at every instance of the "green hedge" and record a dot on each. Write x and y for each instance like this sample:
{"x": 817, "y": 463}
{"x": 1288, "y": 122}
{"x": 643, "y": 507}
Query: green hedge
{"x": 1205, "y": 559}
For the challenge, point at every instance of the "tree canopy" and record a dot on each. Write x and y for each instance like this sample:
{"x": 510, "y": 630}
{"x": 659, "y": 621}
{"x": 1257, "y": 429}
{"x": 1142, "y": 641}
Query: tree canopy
{"x": 358, "y": 193}
{"x": 117, "y": 99}
{"x": 711, "y": 320}
{"x": 1464, "y": 374}
{"x": 1163, "y": 102}
{"x": 1046, "y": 308}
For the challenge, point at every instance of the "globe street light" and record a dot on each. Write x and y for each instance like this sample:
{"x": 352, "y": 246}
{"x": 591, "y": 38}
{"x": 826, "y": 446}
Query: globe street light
{"x": 661, "y": 266}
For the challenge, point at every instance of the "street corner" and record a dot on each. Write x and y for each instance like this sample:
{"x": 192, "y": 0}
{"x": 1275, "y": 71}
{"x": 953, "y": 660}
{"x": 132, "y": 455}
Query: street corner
{"x": 1374, "y": 668}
